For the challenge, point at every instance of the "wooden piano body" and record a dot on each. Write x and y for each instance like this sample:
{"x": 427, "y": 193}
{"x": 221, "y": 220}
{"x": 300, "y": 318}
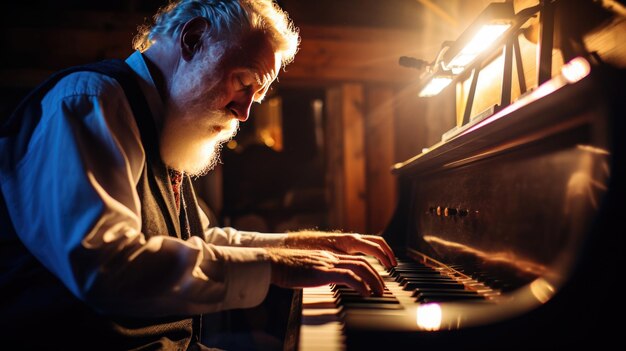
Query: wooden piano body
{"x": 524, "y": 205}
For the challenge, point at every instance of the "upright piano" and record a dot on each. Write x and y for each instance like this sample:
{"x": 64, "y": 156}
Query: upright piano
{"x": 509, "y": 234}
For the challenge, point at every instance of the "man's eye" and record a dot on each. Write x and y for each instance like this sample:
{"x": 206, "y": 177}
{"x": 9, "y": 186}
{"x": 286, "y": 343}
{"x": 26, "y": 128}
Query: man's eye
{"x": 243, "y": 83}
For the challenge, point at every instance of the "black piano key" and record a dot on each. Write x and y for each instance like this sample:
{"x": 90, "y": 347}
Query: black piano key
{"x": 418, "y": 275}
{"x": 422, "y": 276}
{"x": 409, "y": 278}
{"x": 347, "y": 299}
{"x": 449, "y": 298}
{"x": 410, "y": 266}
{"x": 411, "y": 263}
{"x": 347, "y": 289}
{"x": 395, "y": 272}
{"x": 372, "y": 306}
{"x": 428, "y": 274}
{"x": 356, "y": 293}
{"x": 405, "y": 281}
{"x": 402, "y": 263}
{"x": 491, "y": 281}
{"x": 341, "y": 287}
{"x": 417, "y": 292}
{"x": 434, "y": 297}
{"x": 400, "y": 267}
{"x": 448, "y": 285}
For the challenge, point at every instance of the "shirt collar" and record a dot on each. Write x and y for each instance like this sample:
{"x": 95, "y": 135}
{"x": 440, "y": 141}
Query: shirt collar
{"x": 138, "y": 64}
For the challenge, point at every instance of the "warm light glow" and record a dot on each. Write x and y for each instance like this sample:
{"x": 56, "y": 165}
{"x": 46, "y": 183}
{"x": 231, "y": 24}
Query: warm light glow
{"x": 274, "y": 102}
{"x": 232, "y": 144}
{"x": 520, "y": 263}
{"x": 542, "y": 290}
{"x": 429, "y": 316}
{"x": 435, "y": 86}
{"x": 267, "y": 138}
{"x": 485, "y": 37}
{"x": 576, "y": 70}
{"x": 268, "y": 123}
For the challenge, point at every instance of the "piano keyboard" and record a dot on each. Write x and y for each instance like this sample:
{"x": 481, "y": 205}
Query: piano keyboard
{"x": 327, "y": 309}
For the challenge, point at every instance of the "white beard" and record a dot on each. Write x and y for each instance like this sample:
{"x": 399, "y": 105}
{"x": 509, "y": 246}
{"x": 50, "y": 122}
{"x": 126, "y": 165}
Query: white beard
{"x": 192, "y": 144}
{"x": 193, "y": 130}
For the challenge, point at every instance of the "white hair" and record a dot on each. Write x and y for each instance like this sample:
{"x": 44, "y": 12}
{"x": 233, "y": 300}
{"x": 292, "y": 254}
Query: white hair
{"x": 229, "y": 19}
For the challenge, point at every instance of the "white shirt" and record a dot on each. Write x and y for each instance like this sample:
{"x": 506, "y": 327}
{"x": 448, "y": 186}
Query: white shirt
{"x": 72, "y": 199}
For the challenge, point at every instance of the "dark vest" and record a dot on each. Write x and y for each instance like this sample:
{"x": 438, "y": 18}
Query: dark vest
{"x": 36, "y": 310}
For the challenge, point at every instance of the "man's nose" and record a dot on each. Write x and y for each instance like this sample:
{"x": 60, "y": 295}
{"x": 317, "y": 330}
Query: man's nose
{"x": 240, "y": 105}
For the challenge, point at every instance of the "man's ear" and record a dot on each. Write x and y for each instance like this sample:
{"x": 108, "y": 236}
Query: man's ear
{"x": 191, "y": 36}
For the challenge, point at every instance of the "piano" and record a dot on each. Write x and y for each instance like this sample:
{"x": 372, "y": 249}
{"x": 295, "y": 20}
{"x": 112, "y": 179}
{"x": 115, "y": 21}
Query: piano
{"x": 508, "y": 234}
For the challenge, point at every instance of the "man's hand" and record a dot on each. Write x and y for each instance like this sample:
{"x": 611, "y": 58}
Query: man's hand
{"x": 341, "y": 243}
{"x": 306, "y": 268}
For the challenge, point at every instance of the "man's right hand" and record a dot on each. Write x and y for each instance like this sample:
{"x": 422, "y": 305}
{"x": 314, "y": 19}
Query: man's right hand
{"x": 306, "y": 268}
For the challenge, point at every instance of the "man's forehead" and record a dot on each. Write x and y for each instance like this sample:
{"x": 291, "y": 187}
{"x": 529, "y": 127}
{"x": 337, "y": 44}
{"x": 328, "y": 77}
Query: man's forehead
{"x": 256, "y": 53}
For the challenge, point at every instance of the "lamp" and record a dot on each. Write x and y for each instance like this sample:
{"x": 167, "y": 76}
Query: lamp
{"x": 454, "y": 57}
{"x": 435, "y": 85}
{"x": 482, "y": 34}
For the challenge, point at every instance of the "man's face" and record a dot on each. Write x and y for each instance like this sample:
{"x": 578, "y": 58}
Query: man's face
{"x": 209, "y": 95}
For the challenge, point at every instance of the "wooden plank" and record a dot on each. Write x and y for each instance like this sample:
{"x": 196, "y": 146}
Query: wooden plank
{"x": 409, "y": 134}
{"x": 334, "y": 157}
{"x": 380, "y": 152}
{"x": 356, "y": 54}
{"x": 317, "y": 75}
{"x": 346, "y": 158}
{"x": 326, "y": 54}
{"x": 375, "y": 13}
{"x": 354, "y": 158}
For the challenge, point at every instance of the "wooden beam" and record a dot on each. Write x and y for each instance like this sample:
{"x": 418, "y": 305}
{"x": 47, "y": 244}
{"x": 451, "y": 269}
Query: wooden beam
{"x": 346, "y": 158}
{"x": 380, "y": 153}
{"x": 327, "y": 54}
{"x": 335, "y": 54}
{"x": 354, "y": 158}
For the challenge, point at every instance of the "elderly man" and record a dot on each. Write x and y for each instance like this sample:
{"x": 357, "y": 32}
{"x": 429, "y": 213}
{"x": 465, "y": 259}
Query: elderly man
{"x": 103, "y": 243}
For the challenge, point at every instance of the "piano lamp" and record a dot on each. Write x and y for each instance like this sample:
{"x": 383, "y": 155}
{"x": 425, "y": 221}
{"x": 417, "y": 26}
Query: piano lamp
{"x": 453, "y": 58}
{"x": 435, "y": 85}
{"x": 480, "y": 36}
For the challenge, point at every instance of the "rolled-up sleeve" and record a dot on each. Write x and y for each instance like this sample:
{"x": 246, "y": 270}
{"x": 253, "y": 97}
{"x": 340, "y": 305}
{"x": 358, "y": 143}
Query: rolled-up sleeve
{"x": 233, "y": 237}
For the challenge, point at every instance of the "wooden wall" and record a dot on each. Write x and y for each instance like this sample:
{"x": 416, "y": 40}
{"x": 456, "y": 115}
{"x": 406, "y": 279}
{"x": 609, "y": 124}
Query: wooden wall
{"x": 360, "y": 71}
{"x": 358, "y": 67}
{"x": 373, "y": 116}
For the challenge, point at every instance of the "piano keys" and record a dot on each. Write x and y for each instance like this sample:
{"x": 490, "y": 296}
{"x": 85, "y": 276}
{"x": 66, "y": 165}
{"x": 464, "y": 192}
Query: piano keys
{"x": 509, "y": 234}
{"x": 408, "y": 285}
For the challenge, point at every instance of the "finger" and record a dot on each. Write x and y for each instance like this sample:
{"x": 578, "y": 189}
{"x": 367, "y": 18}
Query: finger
{"x": 328, "y": 255}
{"x": 349, "y": 278}
{"x": 383, "y": 244}
{"x": 371, "y": 248}
{"x": 366, "y": 272}
{"x": 360, "y": 266}
{"x": 361, "y": 260}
